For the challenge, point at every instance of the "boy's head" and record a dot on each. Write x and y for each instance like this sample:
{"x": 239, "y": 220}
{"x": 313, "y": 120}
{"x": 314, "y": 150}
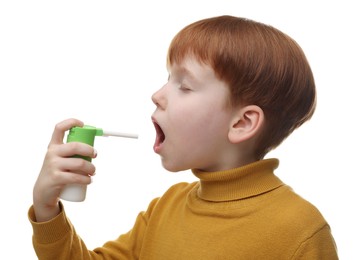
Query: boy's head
{"x": 261, "y": 65}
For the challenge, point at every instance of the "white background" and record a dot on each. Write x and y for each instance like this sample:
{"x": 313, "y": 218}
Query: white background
{"x": 100, "y": 61}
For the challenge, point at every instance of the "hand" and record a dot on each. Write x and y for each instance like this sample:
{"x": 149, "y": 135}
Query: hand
{"x": 59, "y": 169}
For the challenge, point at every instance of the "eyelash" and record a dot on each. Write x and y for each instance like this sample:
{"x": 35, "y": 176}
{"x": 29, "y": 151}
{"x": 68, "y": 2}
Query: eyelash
{"x": 184, "y": 88}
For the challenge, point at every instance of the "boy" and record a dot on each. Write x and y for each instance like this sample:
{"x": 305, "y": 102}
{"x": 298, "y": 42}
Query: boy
{"x": 236, "y": 89}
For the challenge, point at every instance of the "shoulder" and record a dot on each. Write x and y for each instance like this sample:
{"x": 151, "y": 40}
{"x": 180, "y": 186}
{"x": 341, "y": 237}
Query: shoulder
{"x": 297, "y": 214}
{"x": 314, "y": 237}
{"x": 296, "y": 204}
{"x": 297, "y": 224}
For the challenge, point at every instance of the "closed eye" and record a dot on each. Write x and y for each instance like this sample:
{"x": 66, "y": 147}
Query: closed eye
{"x": 184, "y": 88}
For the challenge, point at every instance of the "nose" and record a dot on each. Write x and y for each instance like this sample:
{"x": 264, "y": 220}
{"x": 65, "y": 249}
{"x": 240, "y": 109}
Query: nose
{"x": 159, "y": 98}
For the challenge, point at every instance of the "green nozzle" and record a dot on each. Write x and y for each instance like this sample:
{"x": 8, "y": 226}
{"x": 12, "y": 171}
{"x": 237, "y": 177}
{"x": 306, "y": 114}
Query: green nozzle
{"x": 85, "y": 134}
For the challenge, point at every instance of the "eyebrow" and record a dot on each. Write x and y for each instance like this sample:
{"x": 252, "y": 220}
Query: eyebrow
{"x": 183, "y": 70}
{"x": 187, "y": 73}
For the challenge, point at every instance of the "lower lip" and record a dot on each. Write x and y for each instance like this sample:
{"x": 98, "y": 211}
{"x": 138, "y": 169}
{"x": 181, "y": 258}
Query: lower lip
{"x": 157, "y": 148}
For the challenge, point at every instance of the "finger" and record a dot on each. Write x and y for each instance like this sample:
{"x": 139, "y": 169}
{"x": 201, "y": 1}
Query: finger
{"x": 75, "y": 148}
{"x": 77, "y": 165}
{"x": 62, "y": 127}
{"x": 64, "y": 178}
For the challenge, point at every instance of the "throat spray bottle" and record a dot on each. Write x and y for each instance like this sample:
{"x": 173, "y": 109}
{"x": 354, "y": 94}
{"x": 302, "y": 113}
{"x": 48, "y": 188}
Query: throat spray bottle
{"x": 85, "y": 134}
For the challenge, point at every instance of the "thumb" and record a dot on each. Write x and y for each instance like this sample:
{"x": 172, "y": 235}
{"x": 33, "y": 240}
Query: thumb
{"x": 62, "y": 127}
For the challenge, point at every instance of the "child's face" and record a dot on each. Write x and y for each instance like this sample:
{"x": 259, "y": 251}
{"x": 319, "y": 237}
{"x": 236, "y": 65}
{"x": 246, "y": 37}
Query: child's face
{"x": 192, "y": 118}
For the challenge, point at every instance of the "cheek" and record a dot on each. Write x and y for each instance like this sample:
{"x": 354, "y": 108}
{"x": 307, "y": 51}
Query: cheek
{"x": 184, "y": 124}
{"x": 201, "y": 123}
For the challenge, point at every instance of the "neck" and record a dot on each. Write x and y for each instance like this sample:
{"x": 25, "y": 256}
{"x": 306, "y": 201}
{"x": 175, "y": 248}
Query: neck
{"x": 239, "y": 183}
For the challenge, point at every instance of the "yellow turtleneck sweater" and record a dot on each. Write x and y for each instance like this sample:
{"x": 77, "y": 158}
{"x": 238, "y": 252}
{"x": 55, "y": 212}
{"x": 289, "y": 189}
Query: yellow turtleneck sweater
{"x": 243, "y": 213}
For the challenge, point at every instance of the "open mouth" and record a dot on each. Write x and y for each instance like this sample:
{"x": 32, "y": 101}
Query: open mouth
{"x": 160, "y": 137}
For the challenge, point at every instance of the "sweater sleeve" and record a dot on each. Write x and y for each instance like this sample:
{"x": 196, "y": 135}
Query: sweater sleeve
{"x": 57, "y": 239}
{"x": 320, "y": 246}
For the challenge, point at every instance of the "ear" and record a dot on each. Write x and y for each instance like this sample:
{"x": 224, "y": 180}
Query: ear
{"x": 247, "y": 123}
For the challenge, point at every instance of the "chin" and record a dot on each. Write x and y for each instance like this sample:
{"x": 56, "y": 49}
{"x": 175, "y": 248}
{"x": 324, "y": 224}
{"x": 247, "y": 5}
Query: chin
{"x": 173, "y": 168}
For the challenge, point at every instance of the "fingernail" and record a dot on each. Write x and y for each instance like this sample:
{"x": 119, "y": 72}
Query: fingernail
{"x": 94, "y": 153}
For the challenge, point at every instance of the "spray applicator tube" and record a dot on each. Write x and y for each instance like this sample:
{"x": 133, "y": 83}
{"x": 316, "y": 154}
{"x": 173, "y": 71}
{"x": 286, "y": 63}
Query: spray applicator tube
{"x": 85, "y": 134}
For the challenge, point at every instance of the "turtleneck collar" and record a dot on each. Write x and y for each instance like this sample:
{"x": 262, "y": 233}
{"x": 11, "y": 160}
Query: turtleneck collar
{"x": 239, "y": 183}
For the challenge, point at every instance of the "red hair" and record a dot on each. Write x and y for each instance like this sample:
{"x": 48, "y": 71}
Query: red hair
{"x": 261, "y": 65}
